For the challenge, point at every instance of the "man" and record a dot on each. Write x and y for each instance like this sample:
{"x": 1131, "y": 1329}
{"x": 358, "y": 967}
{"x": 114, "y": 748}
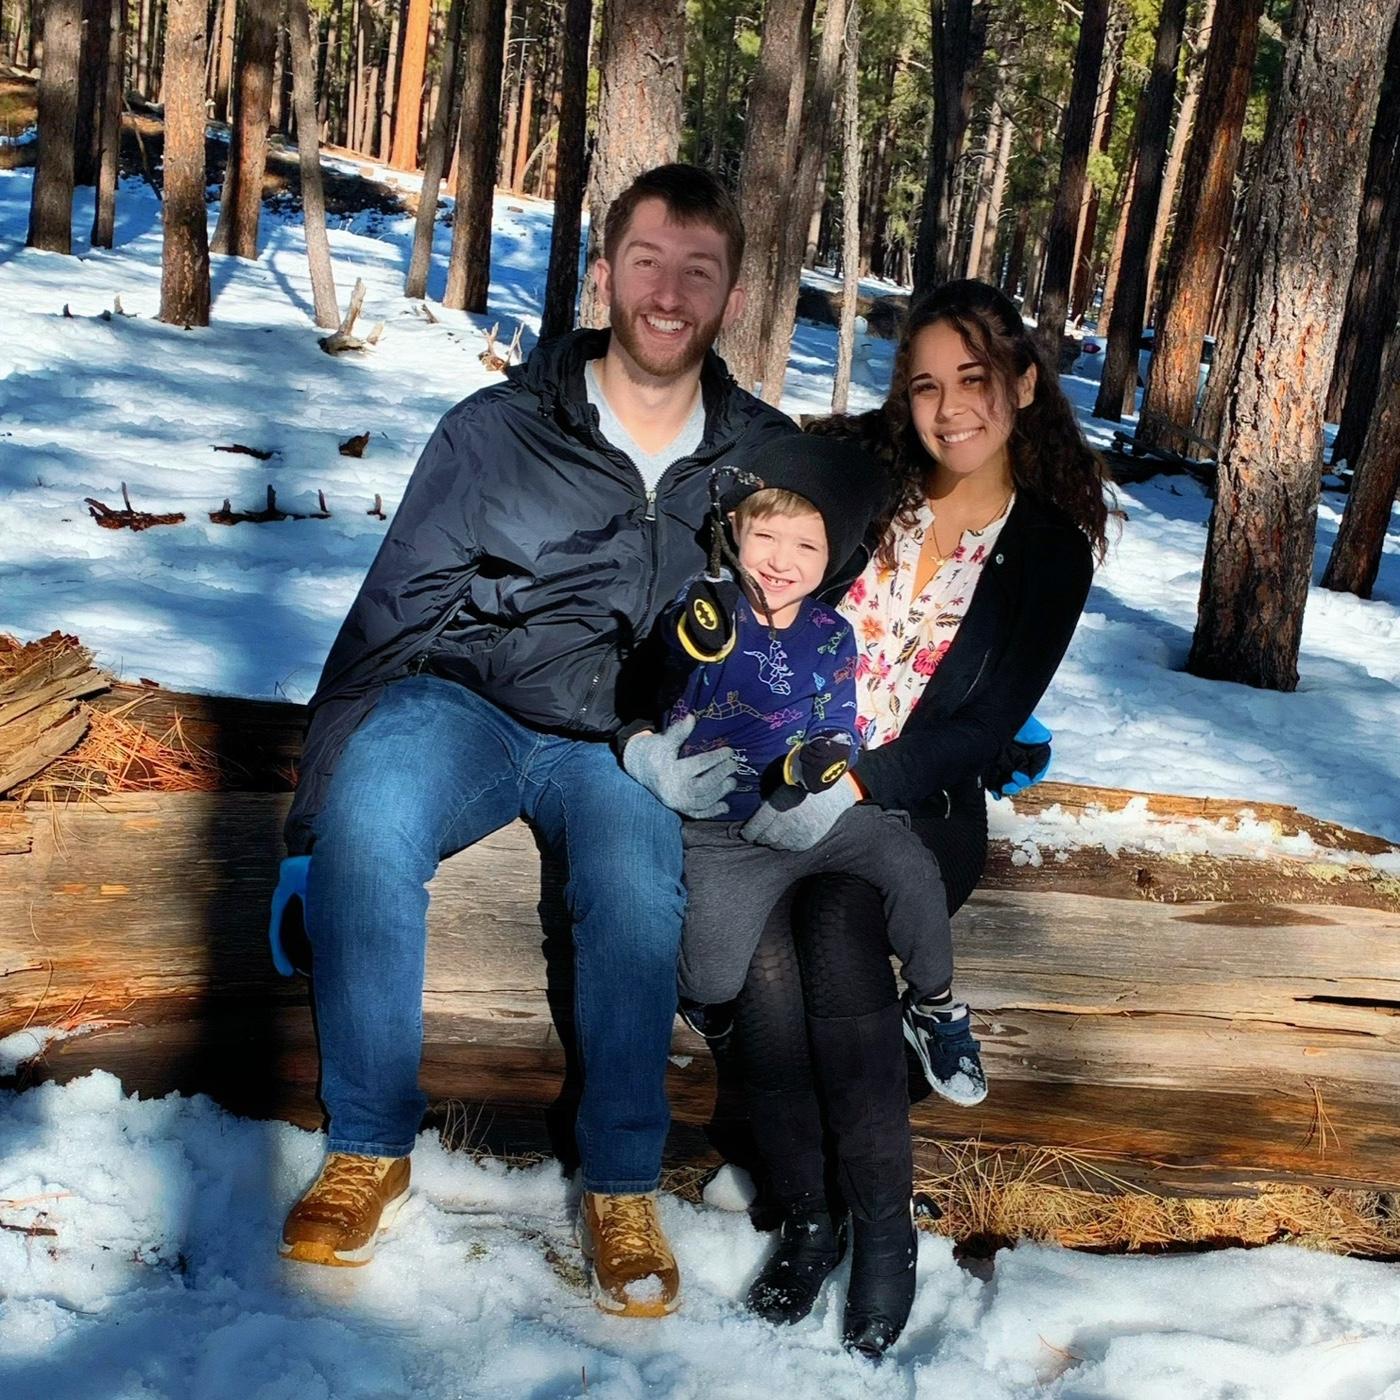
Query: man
{"x": 479, "y": 677}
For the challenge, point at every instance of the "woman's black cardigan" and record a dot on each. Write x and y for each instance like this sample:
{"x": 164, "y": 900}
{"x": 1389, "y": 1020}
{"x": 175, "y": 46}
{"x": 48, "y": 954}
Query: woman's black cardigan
{"x": 1007, "y": 649}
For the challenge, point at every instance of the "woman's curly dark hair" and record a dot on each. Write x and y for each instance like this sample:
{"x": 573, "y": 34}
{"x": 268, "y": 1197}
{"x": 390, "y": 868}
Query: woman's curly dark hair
{"x": 1049, "y": 455}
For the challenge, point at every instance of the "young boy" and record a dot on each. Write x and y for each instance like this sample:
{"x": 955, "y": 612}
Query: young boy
{"x": 781, "y": 694}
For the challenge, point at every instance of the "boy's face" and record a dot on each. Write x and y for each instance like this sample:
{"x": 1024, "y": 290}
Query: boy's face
{"x": 787, "y": 556}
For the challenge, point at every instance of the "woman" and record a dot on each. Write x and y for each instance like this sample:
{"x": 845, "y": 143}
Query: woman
{"x": 963, "y": 607}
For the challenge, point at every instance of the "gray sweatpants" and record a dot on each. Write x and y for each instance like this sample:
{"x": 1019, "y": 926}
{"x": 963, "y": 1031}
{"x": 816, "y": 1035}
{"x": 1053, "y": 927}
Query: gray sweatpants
{"x": 734, "y": 886}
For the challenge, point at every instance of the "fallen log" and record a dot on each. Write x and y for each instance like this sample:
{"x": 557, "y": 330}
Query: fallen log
{"x": 1200, "y": 1046}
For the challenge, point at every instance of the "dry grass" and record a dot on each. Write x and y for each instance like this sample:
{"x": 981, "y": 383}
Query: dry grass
{"x": 118, "y": 754}
{"x": 995, "y": 1195}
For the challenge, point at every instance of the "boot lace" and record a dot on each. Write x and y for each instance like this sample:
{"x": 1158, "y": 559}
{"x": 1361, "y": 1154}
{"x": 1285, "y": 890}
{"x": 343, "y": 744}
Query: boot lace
{"x": 349, "y": 1182}
{"x": 629, "y": 1228}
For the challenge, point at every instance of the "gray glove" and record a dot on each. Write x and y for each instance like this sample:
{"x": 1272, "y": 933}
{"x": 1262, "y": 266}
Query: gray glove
{"x": 695, "y": 786}
{"x": 799, "y": 828}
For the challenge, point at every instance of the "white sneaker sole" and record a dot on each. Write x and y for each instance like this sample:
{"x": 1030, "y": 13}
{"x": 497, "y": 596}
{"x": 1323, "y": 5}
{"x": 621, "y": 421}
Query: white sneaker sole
{"x": 316, "y": 1252}
{"x": 937, "y": 1085}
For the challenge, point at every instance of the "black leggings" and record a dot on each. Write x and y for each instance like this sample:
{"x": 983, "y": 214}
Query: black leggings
{"x": 824, "y": 955}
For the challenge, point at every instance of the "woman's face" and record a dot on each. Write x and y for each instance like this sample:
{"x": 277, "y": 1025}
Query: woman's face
{"x": 958, "y": 413}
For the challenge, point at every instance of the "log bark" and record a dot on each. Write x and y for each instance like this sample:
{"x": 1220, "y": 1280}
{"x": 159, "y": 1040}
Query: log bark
{"x": 1118, "y": 389}
{"x": 446, "y": 114}
{"x": 765, "y": 176}
{"x": 469, "y": 263}
{"x": 184, "y": 267}
{"x": 240, "y": 208}
{"x": 639, "y": 112}
{"x": 1262, "y": 533}
{"x": 1203, "y": 226}
{"x": 1077, "y": 134}
{"x": 561, "y": 281}
{"x": 313, "y": 195}
{"x": 51, "y": 203}
{"x": 1197, "y": 1040}
{"x": 1356, "y": 554}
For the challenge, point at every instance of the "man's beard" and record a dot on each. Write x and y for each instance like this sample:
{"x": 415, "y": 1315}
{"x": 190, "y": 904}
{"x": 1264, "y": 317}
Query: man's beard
{"x": 684, "y": 357}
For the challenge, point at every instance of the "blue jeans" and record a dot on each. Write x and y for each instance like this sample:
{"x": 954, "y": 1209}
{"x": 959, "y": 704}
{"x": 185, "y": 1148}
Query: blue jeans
{"x": 433, "y": 769}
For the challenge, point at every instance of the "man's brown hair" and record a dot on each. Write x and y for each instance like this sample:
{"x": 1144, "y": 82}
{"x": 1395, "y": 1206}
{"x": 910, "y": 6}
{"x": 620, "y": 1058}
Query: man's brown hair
{"x": 691, "y": 196}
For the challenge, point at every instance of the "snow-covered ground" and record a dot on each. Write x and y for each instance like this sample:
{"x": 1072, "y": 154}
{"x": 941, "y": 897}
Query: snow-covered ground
{"x": 152, "y": 1272}
{"x": 137, "y": 1240}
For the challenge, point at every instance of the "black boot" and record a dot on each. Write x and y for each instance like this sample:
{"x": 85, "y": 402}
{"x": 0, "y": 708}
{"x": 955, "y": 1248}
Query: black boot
{"x": 810, "y": 1246}
{"x": 859, "y": 1064}
{"x": 882, "y": 1284}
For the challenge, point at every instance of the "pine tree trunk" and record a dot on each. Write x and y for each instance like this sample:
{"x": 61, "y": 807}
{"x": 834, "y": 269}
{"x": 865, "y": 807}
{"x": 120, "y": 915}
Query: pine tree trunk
{"x": 394, "y": 58}
{"x": 639, "y": 112}
{"x": 1373, "y": 296}
{"x": 313, "y": 197}
{"x": 959, "y": 32}
{"x": 850, "y": 211}
{"x": 1356, "y": 554}
{"x": 1203, "y": 225}
{"x": 446, "y": 114}
{"x": 980, "y": 174}
{"x": 719, "y": 120}
{"x": 51, "y": 203}
{"x": 1118, "y": 211}
{"x": 223, "y": 60}
{"x": 241, "y": 205}
{"x": 109, "y": 131}
{"x": 561, "y": 283}
{"x": 1082, "y": 286}
{"x": 408, "y": 107}
{"x": 818, "y": 106}
{"x": 1078, "y": 132}
{"x": 524, "y": 131}
{"x": 513, "y": 66}
{"x": 764, "y": 177}
{"x": 1020, "y": 233}
{"x": 469, "y": 265}
{"x": 96, "y": 24}
{"x": 1119, "y": 386}
{"x": 1263, "y": 528}
{"x": 184, "y": 269}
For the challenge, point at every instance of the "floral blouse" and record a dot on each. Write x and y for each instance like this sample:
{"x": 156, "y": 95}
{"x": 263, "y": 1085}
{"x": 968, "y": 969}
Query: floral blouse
{"x": 900, "y": 636}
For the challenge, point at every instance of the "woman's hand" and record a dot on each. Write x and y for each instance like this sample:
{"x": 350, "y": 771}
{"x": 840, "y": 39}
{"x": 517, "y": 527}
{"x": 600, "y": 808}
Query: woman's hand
{"x": 694, "y": 786}
{"x": 799, "y": 828}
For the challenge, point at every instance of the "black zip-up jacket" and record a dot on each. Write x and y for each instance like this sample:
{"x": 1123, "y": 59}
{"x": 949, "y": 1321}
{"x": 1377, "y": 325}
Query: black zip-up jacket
{"x": 1005, "y": 654}
{"x": 527, "y": 561}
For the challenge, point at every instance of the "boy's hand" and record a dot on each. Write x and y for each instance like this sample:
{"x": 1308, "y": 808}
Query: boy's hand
{"x": 819, "y": 763}
{"x": 799, "y": 828}
{"x": 705, "y": 626}
{"x": 695, "y": 786}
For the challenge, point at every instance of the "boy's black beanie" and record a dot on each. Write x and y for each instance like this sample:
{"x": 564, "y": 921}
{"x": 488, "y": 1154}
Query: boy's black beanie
{"x": 845, "y": 484}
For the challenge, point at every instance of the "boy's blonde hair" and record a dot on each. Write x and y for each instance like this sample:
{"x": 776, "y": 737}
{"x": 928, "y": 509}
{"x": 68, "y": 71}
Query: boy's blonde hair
{"x": 772, "y": 500}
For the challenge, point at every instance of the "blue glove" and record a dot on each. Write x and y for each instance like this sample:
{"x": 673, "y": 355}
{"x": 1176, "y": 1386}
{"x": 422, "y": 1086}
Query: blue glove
{"x": 1022, "y": 763}
{"x": 799, "y": 828}
{"x": 286, "y": 929}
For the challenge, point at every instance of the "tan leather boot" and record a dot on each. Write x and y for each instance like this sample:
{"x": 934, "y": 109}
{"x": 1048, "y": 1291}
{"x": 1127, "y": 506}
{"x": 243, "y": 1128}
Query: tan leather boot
{"x": 633, "y": 1270}
{"x": 339, "y": 1218}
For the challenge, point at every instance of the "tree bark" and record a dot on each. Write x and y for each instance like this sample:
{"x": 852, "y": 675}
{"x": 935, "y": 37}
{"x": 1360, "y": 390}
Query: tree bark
{"x": 1373, "y": 297}
{"x": 1202, "y": 227}
{"x": 719, "y": 120}
{"x": 446, "y": 115}
{"x": 469, "y": 264}
{"x": 850, "y": 211}
{"x": 1356, "y": 554}
{"x": 765, "y": 176}
{"x": 561, "y": 282}
{"x": 51, "y": 203}
{"x": 512, "y": 73}
{"x": 109, "y": 130}
{"x": 1082, "y": 286}
{"x": 313, "y": 197}
{"x": 639, "y": 112}
{"x": 93, "y": 55}
{"x": 803, "y": 200}
{"x": 986, "y": 267}
{"x": 958, "y": 35}
{"x": 409, "y": 102}
{"x": 1078, "y": 133}
{"x": 241, "y": 205}
{"x": 1119, "y": 386}
{"x": 1263, "y": 527}
{"x": 184, "y": 269}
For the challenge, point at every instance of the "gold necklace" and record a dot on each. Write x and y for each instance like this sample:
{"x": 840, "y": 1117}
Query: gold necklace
{"x": 939, "y": 558}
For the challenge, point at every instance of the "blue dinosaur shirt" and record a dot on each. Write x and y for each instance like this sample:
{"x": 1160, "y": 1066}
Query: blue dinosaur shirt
{"x": 772, "y": 692}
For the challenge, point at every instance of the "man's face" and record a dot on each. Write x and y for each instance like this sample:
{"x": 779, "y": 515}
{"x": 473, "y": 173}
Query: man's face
{"x": 668, "y": 290}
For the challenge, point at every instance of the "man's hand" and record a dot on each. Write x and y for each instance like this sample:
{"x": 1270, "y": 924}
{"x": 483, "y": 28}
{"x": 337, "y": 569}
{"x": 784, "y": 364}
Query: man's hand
{"x": 799, "y": 828}
{"x": 1022, "y": 763}
{"x": 695, "y": 786}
